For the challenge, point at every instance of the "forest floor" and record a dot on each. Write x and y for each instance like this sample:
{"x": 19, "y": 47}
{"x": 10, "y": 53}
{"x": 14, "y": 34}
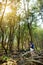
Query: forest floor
{"x": 22, "y": 58}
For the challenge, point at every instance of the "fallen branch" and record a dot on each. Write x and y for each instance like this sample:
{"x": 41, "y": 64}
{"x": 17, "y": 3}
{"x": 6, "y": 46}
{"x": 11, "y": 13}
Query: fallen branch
{"x": 26, "y": 53}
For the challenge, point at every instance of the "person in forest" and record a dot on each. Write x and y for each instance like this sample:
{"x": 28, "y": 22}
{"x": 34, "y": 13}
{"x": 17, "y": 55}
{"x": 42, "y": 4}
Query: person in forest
{"x": 31, "y": 48}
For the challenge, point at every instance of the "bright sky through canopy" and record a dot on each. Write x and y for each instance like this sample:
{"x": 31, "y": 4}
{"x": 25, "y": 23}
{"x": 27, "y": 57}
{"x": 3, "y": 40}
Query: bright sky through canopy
{"x": 0, "y": 0}
{"x": 8, "y": 9}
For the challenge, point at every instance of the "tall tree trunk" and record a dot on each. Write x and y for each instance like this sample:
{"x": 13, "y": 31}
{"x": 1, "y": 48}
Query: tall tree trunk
{"x": 11, "y": 38}
{"x": 22, "y": 45}
{"x": 30, "y": 31}
{"x": 2, "y": 29}
{"x": 3, "y": 41}
{"x": 18, "y": 38}
{"x": 28, "y": 24}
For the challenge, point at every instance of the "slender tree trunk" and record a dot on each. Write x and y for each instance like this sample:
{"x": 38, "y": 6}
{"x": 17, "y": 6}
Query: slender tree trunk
{"x": 11, "y": 38}
{"x": 28, "y": 24}
{"x": 22, "y": 43}
{"x": 2, "y": 29}
{"x": 30, "y": 30}
{"x": 3, "y": 41}
{"x": 18, "y": 40}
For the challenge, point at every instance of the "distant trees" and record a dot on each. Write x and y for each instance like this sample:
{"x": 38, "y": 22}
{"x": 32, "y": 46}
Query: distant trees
{"x": 23, "y": 25}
